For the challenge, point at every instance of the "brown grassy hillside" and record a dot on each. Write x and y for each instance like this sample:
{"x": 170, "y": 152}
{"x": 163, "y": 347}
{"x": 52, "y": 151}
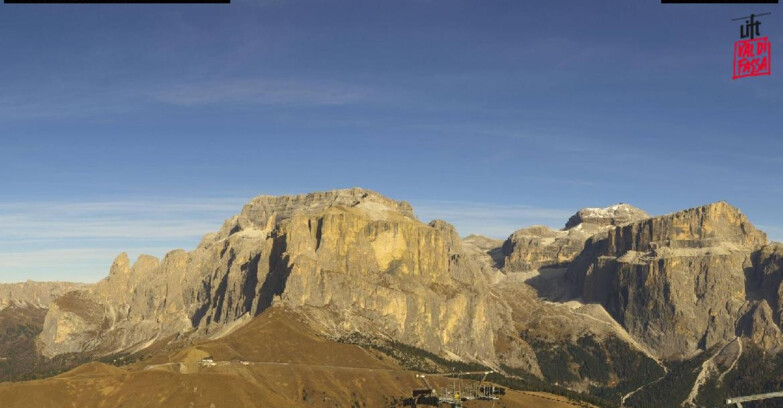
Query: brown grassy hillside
{"x": 274, "y": 361}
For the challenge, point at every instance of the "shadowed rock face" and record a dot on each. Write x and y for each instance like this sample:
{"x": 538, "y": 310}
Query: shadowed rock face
{"x": 541, "y": 247}
{"x": 760, "y": 326}
{"x": 765, "y": 280}
{"x": 678, "y": 282}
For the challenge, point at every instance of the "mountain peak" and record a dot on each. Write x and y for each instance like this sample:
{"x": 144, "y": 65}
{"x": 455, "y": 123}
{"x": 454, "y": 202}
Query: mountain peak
{"x": 259, "y": 210}
{"x": 715, "y": 206}
{"x": 618, "y": 214}
{"x": 121, "y": 265}
{"x": 715, "y": 226}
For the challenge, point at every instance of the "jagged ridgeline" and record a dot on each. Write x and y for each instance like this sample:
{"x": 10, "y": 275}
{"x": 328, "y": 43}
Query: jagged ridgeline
{"x": 612, "y": 307}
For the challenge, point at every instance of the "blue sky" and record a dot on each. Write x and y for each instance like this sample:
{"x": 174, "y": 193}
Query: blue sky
{"x": 140, "y": 128}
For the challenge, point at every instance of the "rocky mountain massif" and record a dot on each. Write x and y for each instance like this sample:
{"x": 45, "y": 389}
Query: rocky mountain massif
{"x": 23, "y": 307}
{"x": 351, "y": 260}
{"x": 615, "y": 305}
{"x": 276, "y": 360}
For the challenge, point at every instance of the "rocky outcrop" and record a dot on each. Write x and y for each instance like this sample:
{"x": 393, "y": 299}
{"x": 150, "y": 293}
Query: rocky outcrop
{"x": 127, "y": 310}
{"x": 761, "y": 327}
{"x": 616, "y": 215}
{"x": 676, "y": 282}
{"x": 543, "y": 247}
{"x": 351, "y": 260}
{"x": 766, "y": 279}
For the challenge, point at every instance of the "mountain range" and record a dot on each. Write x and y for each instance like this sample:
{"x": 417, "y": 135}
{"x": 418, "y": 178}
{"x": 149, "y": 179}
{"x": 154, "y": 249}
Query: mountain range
{"x": 617, "y": 308}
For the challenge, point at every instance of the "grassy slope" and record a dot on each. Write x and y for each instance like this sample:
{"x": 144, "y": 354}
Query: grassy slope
{"x": 289, "y": 367}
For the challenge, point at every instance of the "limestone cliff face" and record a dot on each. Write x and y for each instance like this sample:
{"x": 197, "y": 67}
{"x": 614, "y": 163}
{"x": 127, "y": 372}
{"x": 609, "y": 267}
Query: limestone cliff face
{"x": 351, "y": 260}
{"x": 760, "y": 326}
{"x": 615, "y": 284}
{"x": 677, "y": 282}
{"x": 125, "y": 311}
{"x": 542, "y": 247}
{"x": 713, "y": 225}
{"x": 355, "y": 261}
{"x": 764, "y": 284}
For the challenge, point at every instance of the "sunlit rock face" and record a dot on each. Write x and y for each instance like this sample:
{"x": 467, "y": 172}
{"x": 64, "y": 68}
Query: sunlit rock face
{"x": 134, "y": 305}
{"x": 352, "y": 260}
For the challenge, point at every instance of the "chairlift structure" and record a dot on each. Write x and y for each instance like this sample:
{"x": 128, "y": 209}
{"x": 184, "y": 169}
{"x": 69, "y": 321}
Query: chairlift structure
{"x": 454, "y": 394}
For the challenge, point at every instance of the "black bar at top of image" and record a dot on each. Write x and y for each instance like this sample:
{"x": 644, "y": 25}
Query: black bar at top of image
{"x": 117, "y": 1}
{"x": 719, "y": 1}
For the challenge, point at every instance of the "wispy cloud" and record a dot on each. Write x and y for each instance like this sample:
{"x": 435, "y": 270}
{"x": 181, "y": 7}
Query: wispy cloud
{"x": 78, "y": 240}
{"x": 263, "y": 92}
{"x": 26, "y": 104}
{"x": 493, "y": 220}
{"x": 71, "y": 257}
{"x": 143, "y": 219}
{"x": 71, "y": 99}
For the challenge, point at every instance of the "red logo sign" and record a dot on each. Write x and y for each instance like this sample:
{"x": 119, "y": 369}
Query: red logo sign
{"x": 751, "y": 58}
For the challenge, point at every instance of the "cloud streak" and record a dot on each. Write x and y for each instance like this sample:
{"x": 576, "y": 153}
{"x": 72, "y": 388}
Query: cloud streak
{"x": 143, "y": 219}
{"x": 262, "y": 92}
{"x": 60, "y": 240}
{"x": 85, "y": 100}
{"x": 79, "y": 240}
